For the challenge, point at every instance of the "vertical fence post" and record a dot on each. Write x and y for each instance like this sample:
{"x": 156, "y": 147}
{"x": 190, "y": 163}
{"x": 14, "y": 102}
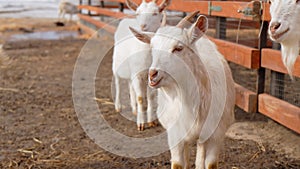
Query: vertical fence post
{"x": 80, "y": 3}
{"x": 102, "y": 5}
{"x": 260, "y": 85}
{"x": 277, "y": 80}
{"x": 89, "y": 3}
{"x": 121, "y": 7}
{"x": 221, "y": 27}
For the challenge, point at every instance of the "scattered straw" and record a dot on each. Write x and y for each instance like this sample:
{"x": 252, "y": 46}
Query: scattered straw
{"x": 254, "y": 156}
{"x": 9, "y": 89}
{"x": 261, "y": 147}
{"x": 101, "y": 99}
{"x": 104, "y": 101}
{"x": 37, "y": 141}
{"x": 26, "y": 152}
{"x": 49, "y": 161}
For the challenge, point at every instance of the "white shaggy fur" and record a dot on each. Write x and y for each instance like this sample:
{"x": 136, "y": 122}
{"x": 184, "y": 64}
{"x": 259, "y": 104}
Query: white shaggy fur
{"x": 196, "y": 93}
{"x": 285, "y": 29}
{"x": 131, "y": 58}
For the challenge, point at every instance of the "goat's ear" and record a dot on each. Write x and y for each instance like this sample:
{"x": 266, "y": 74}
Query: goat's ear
{"x": 144, "y": 37}
{"x": 198, "y": 29}
{"x": 131, "y": 5}
{"x": 163, "y": 5}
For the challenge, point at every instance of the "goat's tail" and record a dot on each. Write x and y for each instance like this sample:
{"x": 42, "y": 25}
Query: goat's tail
{"x": 290, "y": 52}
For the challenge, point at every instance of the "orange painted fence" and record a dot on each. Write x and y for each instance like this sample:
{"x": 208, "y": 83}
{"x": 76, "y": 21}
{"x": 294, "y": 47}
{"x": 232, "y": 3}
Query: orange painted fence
{"x": 258, "y": 59}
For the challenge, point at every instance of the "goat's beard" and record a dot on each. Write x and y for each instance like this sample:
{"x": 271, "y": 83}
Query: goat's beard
{"x": 290, "y": 52}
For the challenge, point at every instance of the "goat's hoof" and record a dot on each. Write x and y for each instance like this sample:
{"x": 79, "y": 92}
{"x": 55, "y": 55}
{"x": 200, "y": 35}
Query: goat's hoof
{"x": 153, "y": 124}
{"x": 176, "y": 166}
{"x": 141, "y": 127}
{"x": 134, "y": 113}
{"x": 213, "y": 166}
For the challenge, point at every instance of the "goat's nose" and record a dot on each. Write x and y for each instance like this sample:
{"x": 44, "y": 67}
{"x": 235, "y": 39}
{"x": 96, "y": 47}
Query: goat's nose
{"x": 152, "y": 74}
{"x": 274, "y": 26}
{"x": 143, "y": 27}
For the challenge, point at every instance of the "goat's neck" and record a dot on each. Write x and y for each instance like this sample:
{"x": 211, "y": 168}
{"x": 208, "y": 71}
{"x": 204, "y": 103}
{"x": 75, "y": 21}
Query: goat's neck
{"x": 192, "y": 87}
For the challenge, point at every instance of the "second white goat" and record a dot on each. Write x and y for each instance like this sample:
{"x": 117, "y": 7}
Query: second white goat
{"x": 131, "y": 59}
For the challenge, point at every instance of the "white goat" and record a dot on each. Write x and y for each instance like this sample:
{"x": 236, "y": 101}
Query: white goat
{"x": 131, "y": 58}
{"x": 284, "y": 28}
{"x": 66, "y": 7}
{"x": 196, "y": 93}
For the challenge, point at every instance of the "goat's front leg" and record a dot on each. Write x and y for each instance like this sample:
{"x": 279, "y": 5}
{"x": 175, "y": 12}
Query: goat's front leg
{"x": 140, "y": 91}
{"x": 63, "y": 14}
{"x": 200, "y": 157}
{"x": 59, "y": 14}
{"x": 187, "y": 156}
{"x": 207, "y": 154}
{"x": 151, "y": 93}
{"x": 177, "y": 153}
{"x": 118, "y": 105}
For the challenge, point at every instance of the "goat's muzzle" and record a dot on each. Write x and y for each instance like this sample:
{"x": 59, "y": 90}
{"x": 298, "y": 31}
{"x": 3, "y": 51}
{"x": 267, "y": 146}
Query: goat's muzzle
{"x": 152, "y": 74}
{"x": 274, "y": 27}
{"x": 144, "y": 27}
{"x": 153, "y": 78}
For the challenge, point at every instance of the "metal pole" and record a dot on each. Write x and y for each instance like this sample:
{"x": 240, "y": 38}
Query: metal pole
{"x": 89, "y": 3}
{"x": 221, "y": 27}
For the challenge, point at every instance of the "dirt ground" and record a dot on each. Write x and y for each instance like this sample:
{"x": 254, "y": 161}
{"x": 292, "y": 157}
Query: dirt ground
{"x": 39, "y": 127}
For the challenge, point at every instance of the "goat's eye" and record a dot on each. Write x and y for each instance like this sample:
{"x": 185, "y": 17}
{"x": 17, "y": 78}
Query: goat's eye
{"x": 154, "y": 14}
{"x": 177, "y": 49}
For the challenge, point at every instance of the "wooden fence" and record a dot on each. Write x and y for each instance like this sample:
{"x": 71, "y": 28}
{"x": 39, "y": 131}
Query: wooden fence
{"x": 257, "y": 58}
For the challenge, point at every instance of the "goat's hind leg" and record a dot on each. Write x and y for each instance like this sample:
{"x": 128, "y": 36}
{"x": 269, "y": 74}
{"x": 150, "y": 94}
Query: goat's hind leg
{"x": 132, "y": 99}
{"x": 140, "y": 91}
{"x": 118, "y": 105}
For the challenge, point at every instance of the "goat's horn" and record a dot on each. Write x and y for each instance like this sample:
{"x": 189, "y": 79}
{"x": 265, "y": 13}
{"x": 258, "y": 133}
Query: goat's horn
{"x": 186, "y": 21}
{"x": 164, "y": 20}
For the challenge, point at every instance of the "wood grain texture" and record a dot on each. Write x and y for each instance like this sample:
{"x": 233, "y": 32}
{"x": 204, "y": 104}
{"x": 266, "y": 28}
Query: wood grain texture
{"x": 103, "y": 11}
{"x": 271, "y": 59}
{"x": 97, "y": 23}
{"x": 239, "y": 54}
{"x": 280, "y": 111}
{"x": 245, "y": 99}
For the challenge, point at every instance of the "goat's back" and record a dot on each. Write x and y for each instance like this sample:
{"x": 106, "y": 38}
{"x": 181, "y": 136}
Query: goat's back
{"x": 212, "y": 59}
{"x": 130, "y": 55}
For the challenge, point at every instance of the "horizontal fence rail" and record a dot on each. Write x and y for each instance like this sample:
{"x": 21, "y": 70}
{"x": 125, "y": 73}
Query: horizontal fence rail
{"x": 257, "y": 59}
